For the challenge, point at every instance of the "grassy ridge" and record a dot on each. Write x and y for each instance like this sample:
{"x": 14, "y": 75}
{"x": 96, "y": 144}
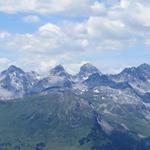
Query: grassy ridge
{"x": 59, "y": 121}
{"x": 58, "y": 124}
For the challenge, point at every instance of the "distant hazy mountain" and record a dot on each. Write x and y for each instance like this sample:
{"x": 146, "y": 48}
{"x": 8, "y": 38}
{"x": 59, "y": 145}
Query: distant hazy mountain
{"x": 15, "y": 83}
{"x": 137, "y": 77}
{"x": 87, "y": 70}
{"x": 59, "y": 71}
{"x": 103, "y": 80}
{"x": 58, "y": 78}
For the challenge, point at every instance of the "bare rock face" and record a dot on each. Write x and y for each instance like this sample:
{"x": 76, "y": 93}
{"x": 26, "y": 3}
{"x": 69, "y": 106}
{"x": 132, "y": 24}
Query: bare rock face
{"x": 87, "y": 70}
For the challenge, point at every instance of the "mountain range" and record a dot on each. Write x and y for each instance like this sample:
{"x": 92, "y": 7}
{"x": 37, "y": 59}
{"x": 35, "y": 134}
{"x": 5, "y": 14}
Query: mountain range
{"x": 15, "y": 83}
{"x": 86, "y": 111}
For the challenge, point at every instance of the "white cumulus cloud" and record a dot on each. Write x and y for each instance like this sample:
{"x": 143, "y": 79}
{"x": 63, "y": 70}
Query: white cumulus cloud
{"x": 107, "y": 25}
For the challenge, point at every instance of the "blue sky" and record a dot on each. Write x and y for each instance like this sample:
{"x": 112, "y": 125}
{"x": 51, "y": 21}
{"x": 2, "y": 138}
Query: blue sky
{"x": 38, "y": 35}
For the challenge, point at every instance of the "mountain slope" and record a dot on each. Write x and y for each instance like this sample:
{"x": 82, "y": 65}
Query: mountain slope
{"x": 57, "y": 79}
{"x": 137, "y": 77}
{"x": 15, "y": 83}
{"x": 87, "y": 70}
{"x": 102, "y": 80}
{"x": 60, "y": 121}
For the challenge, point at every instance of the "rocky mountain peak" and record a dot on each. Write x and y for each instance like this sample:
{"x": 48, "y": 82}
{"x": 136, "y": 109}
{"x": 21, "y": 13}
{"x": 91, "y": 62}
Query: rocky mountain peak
{"x": 58, "y": 70}
{"x": 88, "y": 67}
{"x": 87, "y": 70}
{"x": 144, "y": 66}
{"x": 13, "y": 69}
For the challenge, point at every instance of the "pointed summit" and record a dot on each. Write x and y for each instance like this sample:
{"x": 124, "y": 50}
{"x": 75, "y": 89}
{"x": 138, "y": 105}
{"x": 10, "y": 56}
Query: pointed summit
{"x": 13, "y": 69}
{"x": 87, "y": 70}
{"x": 137, "y": 77}
{"x": 59, "y": 71}
{"x": 144, "y": 66}
{"x": 140, "y": 72}
{"x": 15, "y": 81}
{"x": 144, "y": 69}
